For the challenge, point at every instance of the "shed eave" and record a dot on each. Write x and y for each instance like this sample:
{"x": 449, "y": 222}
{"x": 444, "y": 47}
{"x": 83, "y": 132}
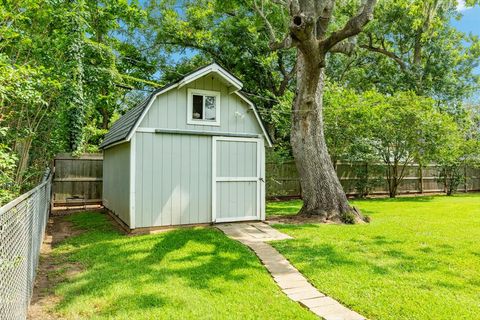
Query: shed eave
{"x": 257, "y": 116}
{"x": 212, "y": 68}
{"x": 113, "y": 144}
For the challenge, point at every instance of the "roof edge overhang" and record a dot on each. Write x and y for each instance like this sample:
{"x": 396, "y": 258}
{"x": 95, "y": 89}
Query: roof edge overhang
{"x": 212, "y": 68}
{"x": 113, "y": 144}
{"x": 257, "y": 116}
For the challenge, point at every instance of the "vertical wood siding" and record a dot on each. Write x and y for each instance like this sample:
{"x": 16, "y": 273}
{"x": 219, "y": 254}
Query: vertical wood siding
{"x": 236, "y": 159}
{"x": 169, "y": 110}
{"x": 236, "y": 199}
{"x": 116, "y": 180}
{"x": 173, "y": 179}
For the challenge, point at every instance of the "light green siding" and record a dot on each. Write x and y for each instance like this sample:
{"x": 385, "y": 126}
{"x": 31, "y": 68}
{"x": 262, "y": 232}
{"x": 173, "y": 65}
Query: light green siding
{"x": 173, "y": 179}
{"x": 236, "y": 199}
{"x": 116, "y": 180}
{"x": 169, "y": 110}
{"x": 236, "y": 159}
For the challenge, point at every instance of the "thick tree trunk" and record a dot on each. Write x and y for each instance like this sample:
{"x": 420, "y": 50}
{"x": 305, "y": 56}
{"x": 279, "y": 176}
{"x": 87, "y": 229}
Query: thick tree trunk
{"x": 105, "y": 117}
{"x": 22, "y": 149}
{"x": 322, "y": 194}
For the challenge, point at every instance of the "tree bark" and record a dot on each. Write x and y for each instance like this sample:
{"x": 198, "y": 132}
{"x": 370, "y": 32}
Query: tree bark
{"x": 22, "y": 149}
{"x": 323, "y": 194}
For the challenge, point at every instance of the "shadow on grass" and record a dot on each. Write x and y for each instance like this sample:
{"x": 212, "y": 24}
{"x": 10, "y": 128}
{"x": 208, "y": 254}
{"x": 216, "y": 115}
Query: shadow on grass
{"x": 414, "y": 199}
{"x": 200, "y": 259}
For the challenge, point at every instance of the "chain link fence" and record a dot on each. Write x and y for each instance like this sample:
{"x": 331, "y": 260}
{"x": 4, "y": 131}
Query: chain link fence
{"x": 22, "y": 227}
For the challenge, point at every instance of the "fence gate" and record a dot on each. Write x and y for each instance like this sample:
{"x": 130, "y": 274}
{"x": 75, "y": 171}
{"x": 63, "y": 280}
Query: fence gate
{"x": 77, "y": 180}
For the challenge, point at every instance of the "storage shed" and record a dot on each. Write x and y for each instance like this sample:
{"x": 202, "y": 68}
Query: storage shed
{"x": 192, "y": 152}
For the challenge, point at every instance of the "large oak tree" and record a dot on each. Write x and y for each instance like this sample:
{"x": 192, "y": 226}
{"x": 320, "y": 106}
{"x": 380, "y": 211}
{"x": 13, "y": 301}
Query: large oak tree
{"x": 309, "y": 31}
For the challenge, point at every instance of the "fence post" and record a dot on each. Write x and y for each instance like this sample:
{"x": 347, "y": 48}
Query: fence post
{"x": 465, "y": 177}
{"x": 420, "y": 173}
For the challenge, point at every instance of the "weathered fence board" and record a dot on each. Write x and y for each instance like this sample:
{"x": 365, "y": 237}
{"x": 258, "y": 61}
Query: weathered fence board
{"x": 77, "y": 180}
{"x": 282, "y": 179}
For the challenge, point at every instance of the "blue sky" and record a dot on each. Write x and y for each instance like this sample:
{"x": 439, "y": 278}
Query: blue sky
{"x": 469, "y": 23}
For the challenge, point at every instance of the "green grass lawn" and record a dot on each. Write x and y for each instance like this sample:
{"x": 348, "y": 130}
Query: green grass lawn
{"x": 419, "y": 258}
{"x": 194, "y": 273}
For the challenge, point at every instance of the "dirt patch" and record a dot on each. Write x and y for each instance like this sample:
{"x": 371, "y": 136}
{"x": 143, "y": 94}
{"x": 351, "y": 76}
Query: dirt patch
{"x": 51, "y": 270}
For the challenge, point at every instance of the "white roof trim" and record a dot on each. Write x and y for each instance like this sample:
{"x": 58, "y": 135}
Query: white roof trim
{"x": 215, "y": 68}
{"x": 198, "y": 74}
{"x": 259, "y": 120}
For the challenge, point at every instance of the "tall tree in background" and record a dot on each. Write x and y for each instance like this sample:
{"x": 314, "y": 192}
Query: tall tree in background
{"x": 73, "y": 94}
{"x": 65, "y": 67}
{"x": 309, "y": 31}
{"x": 411, "y": 45}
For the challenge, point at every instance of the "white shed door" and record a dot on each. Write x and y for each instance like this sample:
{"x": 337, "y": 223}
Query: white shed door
{"x": 236, "y": 181}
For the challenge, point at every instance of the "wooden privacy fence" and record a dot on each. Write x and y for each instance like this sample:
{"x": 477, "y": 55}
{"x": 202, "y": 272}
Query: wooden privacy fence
{"x": 282, "y": 179}
{"x": 77, "y": 180}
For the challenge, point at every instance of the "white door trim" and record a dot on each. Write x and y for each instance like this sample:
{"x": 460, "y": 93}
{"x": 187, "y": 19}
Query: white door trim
{"x": 133, "y": 167}
{"x": 258, "y": 179}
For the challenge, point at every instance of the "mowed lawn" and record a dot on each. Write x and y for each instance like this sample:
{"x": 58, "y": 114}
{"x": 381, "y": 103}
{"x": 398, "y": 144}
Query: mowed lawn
{"x": 192, "y": 273}
{"x": 419, "y": 258}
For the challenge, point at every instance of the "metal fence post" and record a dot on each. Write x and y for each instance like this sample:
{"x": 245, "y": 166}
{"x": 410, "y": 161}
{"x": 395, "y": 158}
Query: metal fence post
{"x": 22, "y": 227}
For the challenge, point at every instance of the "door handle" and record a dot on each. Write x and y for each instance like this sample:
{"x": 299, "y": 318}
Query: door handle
{"x": 261, "y": 179}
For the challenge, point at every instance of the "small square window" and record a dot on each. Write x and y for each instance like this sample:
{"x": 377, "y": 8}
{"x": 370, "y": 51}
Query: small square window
{"x": 203, "y": 107}
{"x": 210, "y": 108}
{"x": 197, "y": 107}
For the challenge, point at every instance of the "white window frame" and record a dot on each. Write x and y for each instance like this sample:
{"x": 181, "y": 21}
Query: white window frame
{"x": 190, "y": 120}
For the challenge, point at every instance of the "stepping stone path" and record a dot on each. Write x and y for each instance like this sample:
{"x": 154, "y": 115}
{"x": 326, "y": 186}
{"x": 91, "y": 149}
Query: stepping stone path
{"x": 288, "y": 278}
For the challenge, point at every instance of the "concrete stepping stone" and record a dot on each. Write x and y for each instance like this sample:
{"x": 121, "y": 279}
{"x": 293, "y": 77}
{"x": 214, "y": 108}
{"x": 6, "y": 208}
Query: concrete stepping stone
{"x": 287, "y": 277}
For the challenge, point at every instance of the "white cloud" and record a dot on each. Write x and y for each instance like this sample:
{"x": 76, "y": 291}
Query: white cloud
{"x": 461, "y": 5}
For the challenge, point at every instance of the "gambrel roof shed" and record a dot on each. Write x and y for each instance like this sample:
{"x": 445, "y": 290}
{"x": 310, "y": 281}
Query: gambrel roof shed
{"x": 192, "y": 152}
{"x": 122, "y": 129}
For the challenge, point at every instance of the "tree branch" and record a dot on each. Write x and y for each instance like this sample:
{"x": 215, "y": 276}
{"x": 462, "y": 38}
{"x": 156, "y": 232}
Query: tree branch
{"x": 324, "y": 15}
{"x": 383, "y": 50}
{"x": 287, "y": 76}
{"x": 284, "y": 3}
{"x": 345, "y": 47}
{"x": 353, "y": 27}
{"x": 261, "y": 13}
{"x": 273, "y": 43}
{"x": 387, "y": 53}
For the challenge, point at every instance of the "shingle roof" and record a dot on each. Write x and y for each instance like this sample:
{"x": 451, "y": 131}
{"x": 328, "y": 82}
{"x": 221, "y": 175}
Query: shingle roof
{"x": 121, "y": 129}
{"x": 123, "y": 126}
